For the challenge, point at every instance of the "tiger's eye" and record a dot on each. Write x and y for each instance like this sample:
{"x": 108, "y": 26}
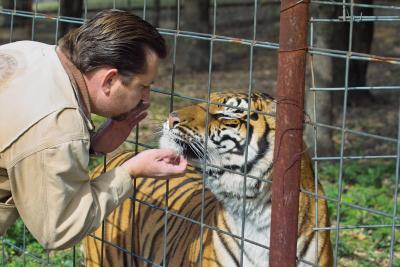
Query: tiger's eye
{"x": 218, "y": 115}
{"x": 231, "y": 123}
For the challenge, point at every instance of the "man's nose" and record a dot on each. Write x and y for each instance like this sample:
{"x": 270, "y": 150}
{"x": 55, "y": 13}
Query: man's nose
{"x": 173, "y": 119}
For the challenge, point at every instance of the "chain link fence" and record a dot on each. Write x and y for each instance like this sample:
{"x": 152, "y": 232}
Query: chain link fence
{"x": 352, "y": 113}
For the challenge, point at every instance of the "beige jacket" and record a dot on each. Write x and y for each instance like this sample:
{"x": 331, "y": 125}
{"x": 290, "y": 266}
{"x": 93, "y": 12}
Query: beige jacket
{"x": 44, "y": 150}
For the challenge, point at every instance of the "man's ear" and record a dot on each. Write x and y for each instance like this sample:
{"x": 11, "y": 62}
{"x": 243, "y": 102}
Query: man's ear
{"x": 108, "y": 80}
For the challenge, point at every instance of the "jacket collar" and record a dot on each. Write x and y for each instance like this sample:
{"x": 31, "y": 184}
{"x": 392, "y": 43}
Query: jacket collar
{"x": 78, "y": 83}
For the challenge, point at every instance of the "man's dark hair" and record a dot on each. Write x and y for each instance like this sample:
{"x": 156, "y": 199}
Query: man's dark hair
{"x": 113, "y": 38}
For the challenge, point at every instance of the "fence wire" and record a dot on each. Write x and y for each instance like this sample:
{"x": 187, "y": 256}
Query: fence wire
{"x": 42, "y": 23}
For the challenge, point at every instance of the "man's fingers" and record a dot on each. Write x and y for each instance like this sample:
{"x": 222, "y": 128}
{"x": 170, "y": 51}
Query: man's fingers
{"x": 170, "y": 176}
{"x": 140, "y": 108}
{"x": 173, "y": 159}
{"x": 146, "y": 105}
{"x": 142, "y": 105}
{"x": 138, "y": 118}
{"x": 177, "y": 165}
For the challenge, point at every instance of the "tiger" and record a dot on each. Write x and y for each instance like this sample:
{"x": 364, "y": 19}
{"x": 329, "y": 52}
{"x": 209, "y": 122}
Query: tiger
{"x": 190, "y": 221}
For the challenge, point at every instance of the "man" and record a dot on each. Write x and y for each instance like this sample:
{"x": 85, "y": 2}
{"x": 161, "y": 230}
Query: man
{"x": 47, "y": 94}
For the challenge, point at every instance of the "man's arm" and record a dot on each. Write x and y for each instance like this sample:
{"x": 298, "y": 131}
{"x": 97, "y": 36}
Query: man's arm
{"x": 114, "y": 132}
{"x": 56, "y": 199}
{"x": 59, "y": 203}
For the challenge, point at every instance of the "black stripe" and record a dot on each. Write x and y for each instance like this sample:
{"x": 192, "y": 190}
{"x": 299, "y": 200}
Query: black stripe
{"x": 302, "y": 223}
{"x": 235, "y": 242}
{"x": 227, "y": 249}
{"x": 237, "y": 144}
{"x": 185, "y": 130}
{"x": 197, "y": 211}
{"x": 188, "y": 199}
{"x": 263, "y": 146}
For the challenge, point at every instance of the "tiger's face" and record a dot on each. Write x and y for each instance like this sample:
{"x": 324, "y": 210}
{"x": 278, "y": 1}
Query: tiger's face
{"x": 223, "y": 134}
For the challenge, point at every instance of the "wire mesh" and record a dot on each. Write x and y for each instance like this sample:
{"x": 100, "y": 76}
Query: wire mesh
{"x": 44, "y": 20}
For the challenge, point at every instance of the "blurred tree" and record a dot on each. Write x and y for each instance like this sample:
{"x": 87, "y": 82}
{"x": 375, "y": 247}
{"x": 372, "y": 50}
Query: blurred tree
{"x": 70, "y": 8}
{"x": 23, "y": 5}
{"x": 362, "y": 37}
{"x": 21, "y": 28}
{"x": 324, "y": 73}
{"x": 196, "y": 19}
{"x": 330, "y": 72}
{"x": 157, "y": 13}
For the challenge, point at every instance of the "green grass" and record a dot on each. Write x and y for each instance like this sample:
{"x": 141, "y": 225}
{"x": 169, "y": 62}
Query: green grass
{"x": 368, "y": 184}
{"x": 36, "y": 255}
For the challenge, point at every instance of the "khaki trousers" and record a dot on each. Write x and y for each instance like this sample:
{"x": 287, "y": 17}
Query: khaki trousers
{"x": 8, "y": 211}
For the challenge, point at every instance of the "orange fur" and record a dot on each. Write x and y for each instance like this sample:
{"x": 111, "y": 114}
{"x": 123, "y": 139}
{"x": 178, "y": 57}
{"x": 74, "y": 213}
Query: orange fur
{"x": 139, "y": 226}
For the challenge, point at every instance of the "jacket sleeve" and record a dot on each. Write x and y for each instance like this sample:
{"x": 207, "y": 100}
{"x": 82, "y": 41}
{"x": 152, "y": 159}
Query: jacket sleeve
{"x": 57, "y": 201}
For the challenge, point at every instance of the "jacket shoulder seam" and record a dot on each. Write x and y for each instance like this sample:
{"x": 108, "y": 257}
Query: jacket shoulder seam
{"x": 47, "y": 145}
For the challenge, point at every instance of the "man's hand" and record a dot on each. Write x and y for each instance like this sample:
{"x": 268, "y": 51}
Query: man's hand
{"x": 156, "y": 163}
{"x": 115, "y": 131}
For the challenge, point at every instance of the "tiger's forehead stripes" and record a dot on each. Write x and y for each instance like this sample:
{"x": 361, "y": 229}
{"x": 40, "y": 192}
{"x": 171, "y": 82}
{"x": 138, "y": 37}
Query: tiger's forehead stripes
{"x": 237, "y": 105}
{"x": 233, "y": 110}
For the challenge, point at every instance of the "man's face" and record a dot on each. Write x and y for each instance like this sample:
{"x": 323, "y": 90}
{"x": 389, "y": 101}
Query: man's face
{"x": 126, "y": 97}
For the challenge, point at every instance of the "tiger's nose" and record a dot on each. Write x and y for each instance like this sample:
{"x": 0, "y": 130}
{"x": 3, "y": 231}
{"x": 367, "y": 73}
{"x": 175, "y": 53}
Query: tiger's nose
{"x": 173, "y": 119}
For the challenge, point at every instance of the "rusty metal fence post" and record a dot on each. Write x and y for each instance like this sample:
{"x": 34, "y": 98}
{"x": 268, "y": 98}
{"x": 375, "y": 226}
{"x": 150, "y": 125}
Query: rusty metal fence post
{"x": 289, "y": 129}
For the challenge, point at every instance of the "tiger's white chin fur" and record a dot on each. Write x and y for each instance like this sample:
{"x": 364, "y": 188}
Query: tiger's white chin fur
{"x": 228, "y": 186}
{"x": 227, "y": 183}
{"x": 166, "y": 141}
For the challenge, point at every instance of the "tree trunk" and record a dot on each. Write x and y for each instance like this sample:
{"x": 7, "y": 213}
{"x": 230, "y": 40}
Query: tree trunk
{"x": 20, "y": 6}
{"x": 362, "y": 40}
{"x": 195, "y": 19}
{"x": 70, "y": 8}
{"x": 21, "y": 28}
{"x": 330, "y": 71}
{"x": 157, "y": 13}
{"x": 361, "y": 43}
{"x": 324, "y": 72}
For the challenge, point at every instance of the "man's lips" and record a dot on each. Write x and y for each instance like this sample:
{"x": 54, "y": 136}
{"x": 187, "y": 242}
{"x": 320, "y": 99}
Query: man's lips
{"x": 139, "y": 107}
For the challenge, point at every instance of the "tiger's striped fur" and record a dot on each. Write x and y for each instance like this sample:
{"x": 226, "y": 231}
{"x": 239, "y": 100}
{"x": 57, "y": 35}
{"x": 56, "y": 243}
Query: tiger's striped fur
{"x": 144, "y": 233}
